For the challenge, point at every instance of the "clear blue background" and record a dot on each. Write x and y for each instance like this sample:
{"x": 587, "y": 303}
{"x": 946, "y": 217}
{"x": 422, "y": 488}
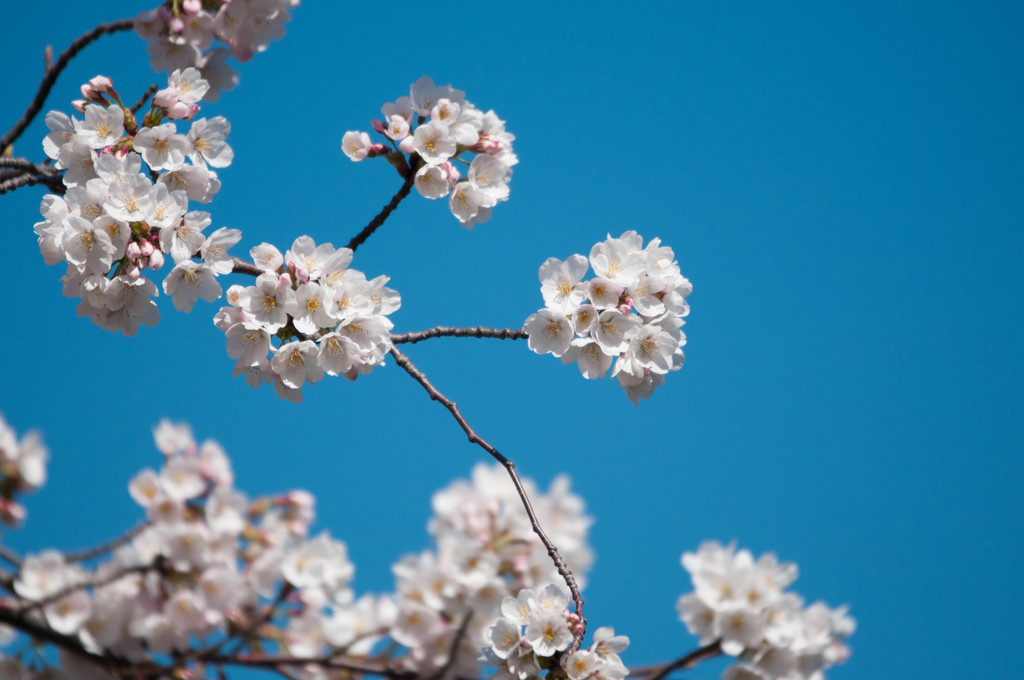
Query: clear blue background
{"x": 842, "y": 185}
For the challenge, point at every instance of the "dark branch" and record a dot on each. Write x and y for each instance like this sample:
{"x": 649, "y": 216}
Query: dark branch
{"x": 10, "y": 556}
{"x": 243, "y": 267}
{"x": 452, "y": 332}
{"x": 150, "y": 91}
{"x": 273, "y": 662}
{"x": 52, "y": 72}
{"x": 158, "y": 564}
{"x": 660, "y": 672}
{"x": 453, "y": 650}
{"x": 510, "y": 467}
{"x": 386, "y": 211}
{"x": 103, "y": 549}
{"x": 48, "y": 177}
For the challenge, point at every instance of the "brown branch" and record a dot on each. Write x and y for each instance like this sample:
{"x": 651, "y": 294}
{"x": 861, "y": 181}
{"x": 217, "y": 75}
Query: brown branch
{"x": 103, "y": 549}
{"x": 10, "y": 556}
{"x": 661, "y": 671}
{"x": 242, "y": 267}
{"x": 454, "y": 648}
{"x": 158, "y": 564}
{"x": 386, "y": 211}
{"x": 53, "y": 71}
{"x": 322, "y": 661}
{"x": 150, "y": 91}
{"x": 510, "y": 467}
{"x": 452, "y": 332}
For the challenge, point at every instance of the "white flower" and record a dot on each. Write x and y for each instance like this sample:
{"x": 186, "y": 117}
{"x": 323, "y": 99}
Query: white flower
{"x": 356, "y": 145}
{"x": 184, "y": 240}
{"x": 433, "y": 142}
{"x": 214, "y": 250}
{"x": 560, "y": 282}
{"x": 432, "y": 181}
{"x": 188, "y": 282}
{"x": 101, "y": 127}
{"x": 207, "y": 145}
{"x": 162, "y": 147}
{"x": 296, "y": 363}
{"x": 548, "y": 633}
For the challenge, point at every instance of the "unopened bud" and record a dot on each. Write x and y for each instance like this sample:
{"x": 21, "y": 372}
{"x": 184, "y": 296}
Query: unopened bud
{"x": 146, "y": 248}
{"x": 156, "y": 260}
{"x": 133, "y": 251}
{"x": 378, "y": 125}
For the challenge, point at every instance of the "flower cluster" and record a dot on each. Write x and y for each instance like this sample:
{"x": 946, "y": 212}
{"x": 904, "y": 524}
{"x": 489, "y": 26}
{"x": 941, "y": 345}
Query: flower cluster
{"x": 486, "y": 552}
{"x": 327, "y": 317}
{"x": 22, "y": 468}
{"x": 114, "y": 221}
{"x": 536, "y": 626}
{"x": 437, "y": 128}
{"x": 741, "y": 602}
{"x": 200, "y": 565}
{"x": 631, "y": 312}
{"x": 209, "y": 564}
{"x": 180, "y": 35}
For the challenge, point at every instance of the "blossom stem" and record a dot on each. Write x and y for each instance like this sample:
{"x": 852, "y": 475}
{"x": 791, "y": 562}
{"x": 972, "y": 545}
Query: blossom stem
{"x": 661, "y": 671}
{"x": 150, "y": 91}
{"x": 386, "y": 211}
{"x": 110, "y": 546}
{"x": 510, "y": 467}
{"x": 54, "y": 70}
{"x": 452, "y": 332}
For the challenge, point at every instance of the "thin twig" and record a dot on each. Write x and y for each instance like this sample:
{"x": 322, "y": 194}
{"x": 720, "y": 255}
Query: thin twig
{"x": 150, "y": 91}
{"x": 454, "y": 648}
{"x": 9, "y": 556}
{"x": 452, "y": 332}
{"x": 510, "y": 467}
{"x": 239, "y": 266}
{"x": 103, "y": 549}
{"x": 386, "y": 211}
{"x": 321, "y": 661}
{"x": 53, "y": 71}
{"x": 660, "y": 672}
{"x": 158, "y": 564}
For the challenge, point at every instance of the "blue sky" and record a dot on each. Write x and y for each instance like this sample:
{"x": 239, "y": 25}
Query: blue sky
{"x": 841, "y": 184}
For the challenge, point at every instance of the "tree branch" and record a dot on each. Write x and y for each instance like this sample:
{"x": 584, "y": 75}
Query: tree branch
{"x": 150, "y": 91}
{"x": 452, "y": 332}
{"x": 386, "y": 211}
{"x": 104, "y": 548}
{"x": 660, "y": 672}
{"x": 510, "y": 467}
{"x": 322, "y": 661}
{"x": 10, "y": 556}
{"x": 158, "y": 564}
{"x": 53, "y": 71}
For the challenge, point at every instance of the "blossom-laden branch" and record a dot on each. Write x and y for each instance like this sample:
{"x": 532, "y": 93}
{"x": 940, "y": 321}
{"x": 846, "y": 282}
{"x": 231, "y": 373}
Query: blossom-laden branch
{"x": 109, "y": 546}
{"x": 453, "y": 332}
{"x": 510, "y": 467}
{"x": 385, "y": 212}
{"x": 662, "y": 671}
{"x": 158, "y": 564}
{"x": 53, "y": 71}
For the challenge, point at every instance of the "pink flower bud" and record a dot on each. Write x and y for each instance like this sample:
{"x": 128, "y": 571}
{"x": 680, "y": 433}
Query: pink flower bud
{"x": 626, "y": 306}
{"x": 285, "y": 279}
{"x": 11, "y": 511}
{"x": 156, "y": 260}
{"x": 133, "y": 271}
{"x": 143, "y": 263}
{"x": 133, "y": 251}
{"x": 146, "y": 248}
{"x": 451, "y": 172}
{"x": 406, "y": 145}
{"x": 378, "y": 125}
{"x": 192, "y": 6}
{"x": 79, "y": 105}
{"x": 166, "y": 98}
{"x": 176, "y": 25}
{"x": 91, "y": 94}
{"x": 487, "y": 144}
{"x": 377, "y": 150}
{"x": 102, "y": 84}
